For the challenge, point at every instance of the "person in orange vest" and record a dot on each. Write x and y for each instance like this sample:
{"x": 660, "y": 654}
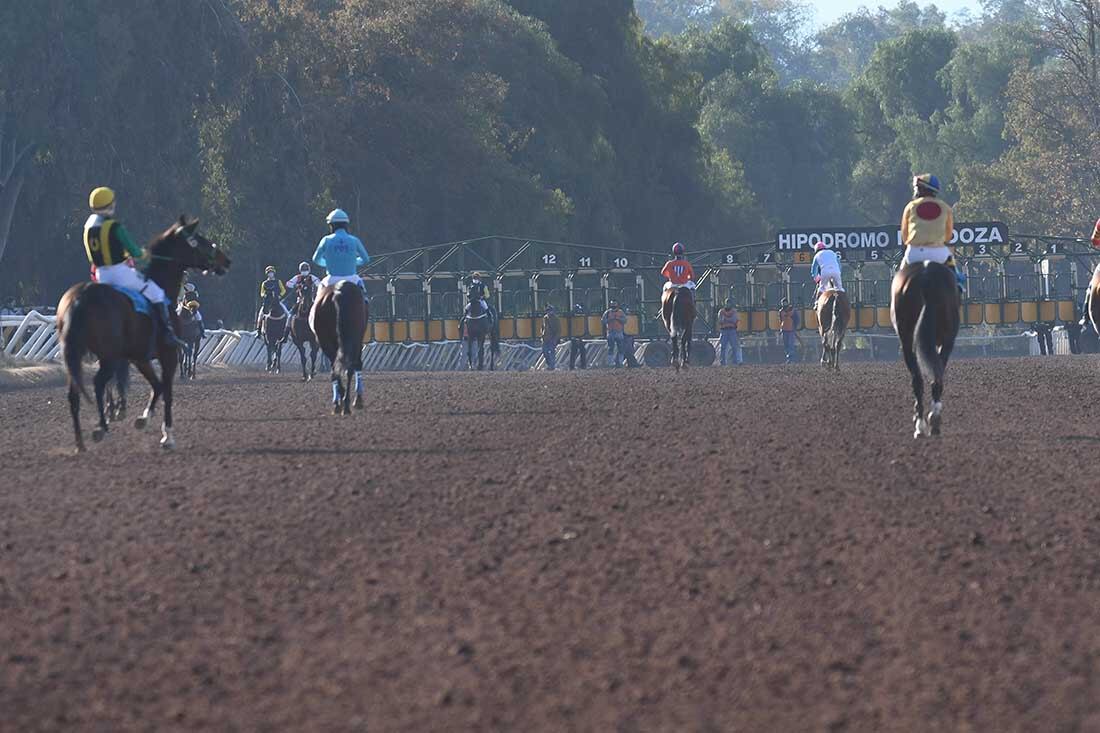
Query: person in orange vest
{"x": 788, "y": 327}
{"x": 728, "y": 321}
{"x": 614, "y": 323}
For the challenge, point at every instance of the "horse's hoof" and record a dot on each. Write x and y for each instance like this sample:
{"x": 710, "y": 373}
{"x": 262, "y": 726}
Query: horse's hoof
{"x": 141, "y": 422}
{"x": 99, "y": 434}
{"x": 358, "y": 404}
{"x": 167, "y": 443}
{"x": 345, "y": 411}
{"x": 80, "y": 449}
{"x": 336, "y": 409}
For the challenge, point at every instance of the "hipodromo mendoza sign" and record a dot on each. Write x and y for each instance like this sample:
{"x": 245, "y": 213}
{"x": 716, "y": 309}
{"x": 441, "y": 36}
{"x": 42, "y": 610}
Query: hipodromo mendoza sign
{"x": 882, "y": 238}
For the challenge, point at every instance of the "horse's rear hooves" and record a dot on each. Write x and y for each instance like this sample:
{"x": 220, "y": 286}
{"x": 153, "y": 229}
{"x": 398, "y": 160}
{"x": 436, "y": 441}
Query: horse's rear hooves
{"x": 141, "y": 422}
{"x": 98, "y": 434}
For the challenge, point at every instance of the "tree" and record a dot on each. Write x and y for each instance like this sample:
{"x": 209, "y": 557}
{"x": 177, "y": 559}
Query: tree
{"x": 14, "y": 163}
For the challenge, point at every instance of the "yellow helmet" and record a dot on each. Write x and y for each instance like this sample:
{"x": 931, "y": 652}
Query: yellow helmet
{"x": 101, "y": 198}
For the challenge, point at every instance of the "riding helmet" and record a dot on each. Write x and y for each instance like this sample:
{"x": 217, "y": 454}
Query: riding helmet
{"x": 678, "y": 250}
{"x": 819, "y": 245}
{"x": 101, "y": 198}
{"x": 303, "y": 267}
{"x": 927, "y": 181}
{"x": 269, "y": 270}
{"x": 337, "y": 216}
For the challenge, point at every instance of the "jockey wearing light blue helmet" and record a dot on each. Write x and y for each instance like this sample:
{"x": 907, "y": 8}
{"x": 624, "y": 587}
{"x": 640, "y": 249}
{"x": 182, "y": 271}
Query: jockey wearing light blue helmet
{"x": 340, "y": 253}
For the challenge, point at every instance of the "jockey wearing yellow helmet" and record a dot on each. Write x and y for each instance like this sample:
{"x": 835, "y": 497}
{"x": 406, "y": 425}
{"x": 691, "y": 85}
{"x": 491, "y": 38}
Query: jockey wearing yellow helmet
{"x": 270, "y": 286}
{"x": 109, "y": 246}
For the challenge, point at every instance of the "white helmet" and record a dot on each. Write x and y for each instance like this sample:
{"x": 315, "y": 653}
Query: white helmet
{"x": 303, "y": 267}
{"x": 338, "y": 216}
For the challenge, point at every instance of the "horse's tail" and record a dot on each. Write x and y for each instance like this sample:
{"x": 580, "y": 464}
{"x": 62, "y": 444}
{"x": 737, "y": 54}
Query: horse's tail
{"x": 349, "y": 333}
{"x": 75, "y": 344}
{"x": 926, "y": 337}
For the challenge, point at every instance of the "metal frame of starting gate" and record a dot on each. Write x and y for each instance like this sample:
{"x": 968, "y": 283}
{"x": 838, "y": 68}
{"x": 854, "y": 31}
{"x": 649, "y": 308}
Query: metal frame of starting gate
{"x": 418, "y": 294}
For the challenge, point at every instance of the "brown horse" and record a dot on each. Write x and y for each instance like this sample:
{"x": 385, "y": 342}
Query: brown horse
{"x": 1092, "y": 301}
{"x": 339, "y": 318}
{"x": 190, "y": 335}
{"x": 925, "y": 311}
{"x": 678, "y": 313}
{"x": 99, "y": 319}
{"x": 833, "y": 315}
{"x": 299, "y": 331}
{"x": 273, "y": 328}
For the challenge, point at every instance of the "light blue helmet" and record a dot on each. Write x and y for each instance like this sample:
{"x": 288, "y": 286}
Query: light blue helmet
{"x": 338, "y": 216}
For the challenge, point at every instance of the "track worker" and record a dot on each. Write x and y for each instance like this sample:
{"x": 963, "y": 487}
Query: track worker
{"x": 928, "y": 225}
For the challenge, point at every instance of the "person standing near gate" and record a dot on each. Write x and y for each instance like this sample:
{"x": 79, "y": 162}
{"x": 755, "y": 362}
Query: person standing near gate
{"x": 614, "y": 323}
{"x": 551, "y": 334}
{"x": 729, "y": 340}
{"x": 788, "y": 327}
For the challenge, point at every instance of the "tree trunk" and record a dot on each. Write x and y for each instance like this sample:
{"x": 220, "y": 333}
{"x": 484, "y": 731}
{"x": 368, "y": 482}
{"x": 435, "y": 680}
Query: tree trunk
{"x": 13, "y": 172}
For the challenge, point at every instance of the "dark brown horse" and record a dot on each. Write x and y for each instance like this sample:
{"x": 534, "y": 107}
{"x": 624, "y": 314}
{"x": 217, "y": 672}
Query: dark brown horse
{"x": 300, "y": 332}
{"x": 338, "y": 319}
{"x": 99, "y": 319}
{"x": 925, "y": 312}
{"x": 678, "y": 313}
{"x": 190, "y": 336}
{"x": 478, "y": 324}
{"x": 1092, "y": 301}
{"x": 273, "y": 329}
{"x": 833, "y": 315}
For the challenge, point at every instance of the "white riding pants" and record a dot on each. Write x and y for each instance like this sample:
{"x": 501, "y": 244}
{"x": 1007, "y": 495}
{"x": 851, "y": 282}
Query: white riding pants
{"x": 127, "y": 277}
{"x": 827, "y": 275}
{"x": 690, "y": 285}
{"x": 914, "y": 255}
{"x": 333, "y": 279}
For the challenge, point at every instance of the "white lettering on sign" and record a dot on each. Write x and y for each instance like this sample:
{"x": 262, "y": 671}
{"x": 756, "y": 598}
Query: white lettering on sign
{"x": 872, "y": 238}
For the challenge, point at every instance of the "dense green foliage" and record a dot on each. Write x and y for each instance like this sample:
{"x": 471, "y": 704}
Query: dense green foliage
{"x": 625, "y": 122}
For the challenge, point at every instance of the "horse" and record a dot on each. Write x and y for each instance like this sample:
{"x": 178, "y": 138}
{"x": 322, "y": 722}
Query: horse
{"x": 190, "y": 334}
{"x": 833, "y": 314}
{"x": 479, "y": 324}
{"x": 678, "y": 314}
{"x": 924, "y": 308}
{"x": 114, "y": 397}
{"x": 300, "y": 332}
{"x": 99, "y": 319}
{"x": 1092, "y": 301}
{"x": 274, "y": 329}
{"x": 338, "y": 319}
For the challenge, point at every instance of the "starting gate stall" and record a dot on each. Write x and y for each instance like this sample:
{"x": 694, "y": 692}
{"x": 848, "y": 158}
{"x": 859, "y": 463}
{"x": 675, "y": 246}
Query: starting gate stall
{"x": 418, "y": 295}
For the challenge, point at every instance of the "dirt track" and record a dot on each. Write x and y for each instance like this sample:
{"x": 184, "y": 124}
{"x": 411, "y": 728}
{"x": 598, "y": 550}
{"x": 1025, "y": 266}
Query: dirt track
{"x": 562, "y": 552}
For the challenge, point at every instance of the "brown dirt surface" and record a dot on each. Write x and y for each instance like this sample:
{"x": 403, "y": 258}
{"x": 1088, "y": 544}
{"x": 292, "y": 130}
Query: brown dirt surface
{"x": 759, "y": 549}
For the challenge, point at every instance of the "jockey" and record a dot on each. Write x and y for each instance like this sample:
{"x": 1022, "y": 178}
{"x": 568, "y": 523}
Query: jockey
{"x": 304, "y": 275}
{"x": 482, "y": 291}
{"x": 108, "y": 245}
{"x": 927, "y": 225}
{"x": 269, "y": 287}
{"x": 678, "y": 270}
{"x": 825, "y": 270}
{"x": 190, "y": 301}
{"x": 193, "y": 307}
{"x": 341, "y": 253}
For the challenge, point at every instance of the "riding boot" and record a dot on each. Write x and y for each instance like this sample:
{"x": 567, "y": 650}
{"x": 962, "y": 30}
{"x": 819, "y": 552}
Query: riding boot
{"x": 160, "y": 311}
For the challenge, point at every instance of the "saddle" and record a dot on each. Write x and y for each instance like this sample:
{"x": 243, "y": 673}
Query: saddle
{"x": 140, "y": 302}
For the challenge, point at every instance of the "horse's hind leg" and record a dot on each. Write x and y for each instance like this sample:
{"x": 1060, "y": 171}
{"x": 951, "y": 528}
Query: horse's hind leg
{"x": 481, "y": 353}
{"x": 910, "y": 356}
{"x": 74, "y": 410}
{"x": 105, "y": 374}
{"x": 337, "y": 393}
{"x": 146, "y": 369}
